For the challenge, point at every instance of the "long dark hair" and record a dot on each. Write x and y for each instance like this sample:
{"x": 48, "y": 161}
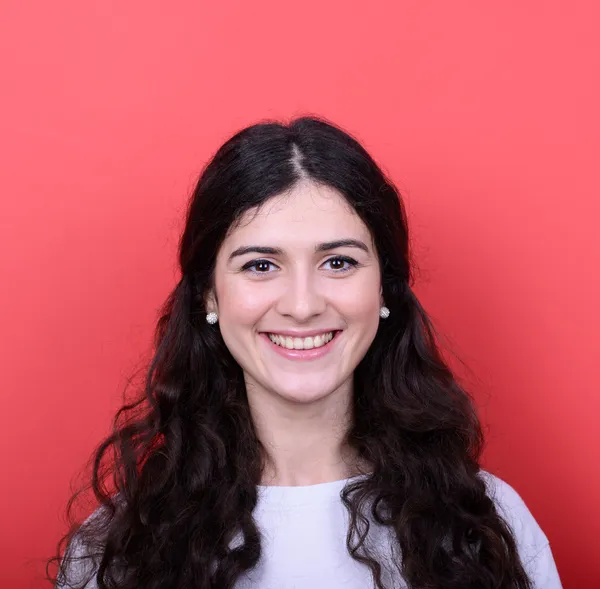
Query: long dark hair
{"x": 186, "y": 460}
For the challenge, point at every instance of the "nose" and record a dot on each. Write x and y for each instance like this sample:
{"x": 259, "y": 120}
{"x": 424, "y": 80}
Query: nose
{"x": 302, "y": 297}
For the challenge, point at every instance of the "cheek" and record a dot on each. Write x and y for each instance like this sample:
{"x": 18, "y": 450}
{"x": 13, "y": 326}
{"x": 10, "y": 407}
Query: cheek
{"x": 359, "y": 301}
{"x": 240, "y": 308}
{"x": 241, "y": 303}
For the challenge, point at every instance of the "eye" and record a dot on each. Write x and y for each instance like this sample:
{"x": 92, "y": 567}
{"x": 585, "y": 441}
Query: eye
{"x": 341, "y": 263}
{"x": 258, "y": 267}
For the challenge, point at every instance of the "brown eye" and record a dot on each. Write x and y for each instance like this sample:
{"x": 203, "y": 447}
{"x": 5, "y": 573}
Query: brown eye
{"x": 341, "y": 263}
{"x": 262, "y": 266}
{"x": 259, "y": 267}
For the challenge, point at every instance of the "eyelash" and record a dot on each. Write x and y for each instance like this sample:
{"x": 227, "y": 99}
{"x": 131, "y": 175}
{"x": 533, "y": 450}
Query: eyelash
{"x": 253, "y": 263}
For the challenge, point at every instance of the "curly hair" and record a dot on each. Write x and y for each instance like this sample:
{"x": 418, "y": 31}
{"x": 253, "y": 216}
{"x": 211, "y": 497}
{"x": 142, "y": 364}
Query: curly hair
{"x": 186, "y": 459}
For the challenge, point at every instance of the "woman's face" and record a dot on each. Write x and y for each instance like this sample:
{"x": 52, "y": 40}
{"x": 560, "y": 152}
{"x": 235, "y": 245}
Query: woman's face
{"x": 298, "y": 294}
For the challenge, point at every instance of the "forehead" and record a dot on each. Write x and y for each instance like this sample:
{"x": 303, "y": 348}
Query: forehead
{"x": 308, "y": 212}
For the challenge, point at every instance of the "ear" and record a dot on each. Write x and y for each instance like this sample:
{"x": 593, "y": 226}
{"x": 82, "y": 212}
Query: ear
{"x": 210, "y": 302}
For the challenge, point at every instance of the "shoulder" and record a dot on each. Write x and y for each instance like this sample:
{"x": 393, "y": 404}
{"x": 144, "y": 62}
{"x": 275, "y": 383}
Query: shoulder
{"x": 81, "y": 559}
{"x": 532, "y": 542}
{"x": 513, "y": 509}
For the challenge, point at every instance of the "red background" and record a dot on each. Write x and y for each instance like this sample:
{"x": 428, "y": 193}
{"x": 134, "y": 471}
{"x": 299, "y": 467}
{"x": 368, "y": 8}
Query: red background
{"x": 486, "y": 116}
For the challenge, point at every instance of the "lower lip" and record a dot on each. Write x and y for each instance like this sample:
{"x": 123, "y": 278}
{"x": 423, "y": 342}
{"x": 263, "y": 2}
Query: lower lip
{"x": 312, "y": 354}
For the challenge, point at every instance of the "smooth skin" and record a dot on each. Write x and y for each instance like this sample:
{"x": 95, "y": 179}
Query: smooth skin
{"x": 301, "y": 264}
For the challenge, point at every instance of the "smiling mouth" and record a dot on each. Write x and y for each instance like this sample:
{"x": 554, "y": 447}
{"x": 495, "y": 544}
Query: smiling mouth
{"x": 302, "y": 343}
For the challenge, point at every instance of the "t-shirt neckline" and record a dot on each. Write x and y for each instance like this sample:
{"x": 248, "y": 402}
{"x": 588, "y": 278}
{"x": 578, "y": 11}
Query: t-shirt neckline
{"x": 295, "y": 496}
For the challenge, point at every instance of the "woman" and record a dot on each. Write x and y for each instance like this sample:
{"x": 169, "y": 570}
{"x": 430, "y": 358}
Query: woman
{"x": 299, "y": 428}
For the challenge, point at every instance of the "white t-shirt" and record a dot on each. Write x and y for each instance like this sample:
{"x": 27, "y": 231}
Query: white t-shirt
{"x": 304, "y": 540}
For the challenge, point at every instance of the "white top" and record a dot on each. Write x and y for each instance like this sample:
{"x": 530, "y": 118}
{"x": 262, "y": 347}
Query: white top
{"x": 304, "y": 540}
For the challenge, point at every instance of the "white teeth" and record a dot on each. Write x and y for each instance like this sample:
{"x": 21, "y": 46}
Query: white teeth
{"x": 299, "y": 343}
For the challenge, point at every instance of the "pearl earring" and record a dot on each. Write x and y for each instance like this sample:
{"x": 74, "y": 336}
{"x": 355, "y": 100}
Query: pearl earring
{"x": 384, "y": 312}
{"x": 212, "y": 318}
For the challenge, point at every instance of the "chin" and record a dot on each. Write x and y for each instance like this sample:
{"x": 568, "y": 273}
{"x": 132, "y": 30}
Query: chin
{"x": 306, "y": 392}
{"x": 303, "y": 398}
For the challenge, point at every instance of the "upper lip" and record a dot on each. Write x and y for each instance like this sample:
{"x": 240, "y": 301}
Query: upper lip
{"x": 301, "y": 334}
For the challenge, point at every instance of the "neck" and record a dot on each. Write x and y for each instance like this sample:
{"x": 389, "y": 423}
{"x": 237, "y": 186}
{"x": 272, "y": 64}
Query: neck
{"x": 305, "y": 443}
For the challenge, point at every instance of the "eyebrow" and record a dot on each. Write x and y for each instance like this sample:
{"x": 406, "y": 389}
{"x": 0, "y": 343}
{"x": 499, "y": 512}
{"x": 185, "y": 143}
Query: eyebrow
{"x": 331, "y": 245}
{"x": 321, "y": 247}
